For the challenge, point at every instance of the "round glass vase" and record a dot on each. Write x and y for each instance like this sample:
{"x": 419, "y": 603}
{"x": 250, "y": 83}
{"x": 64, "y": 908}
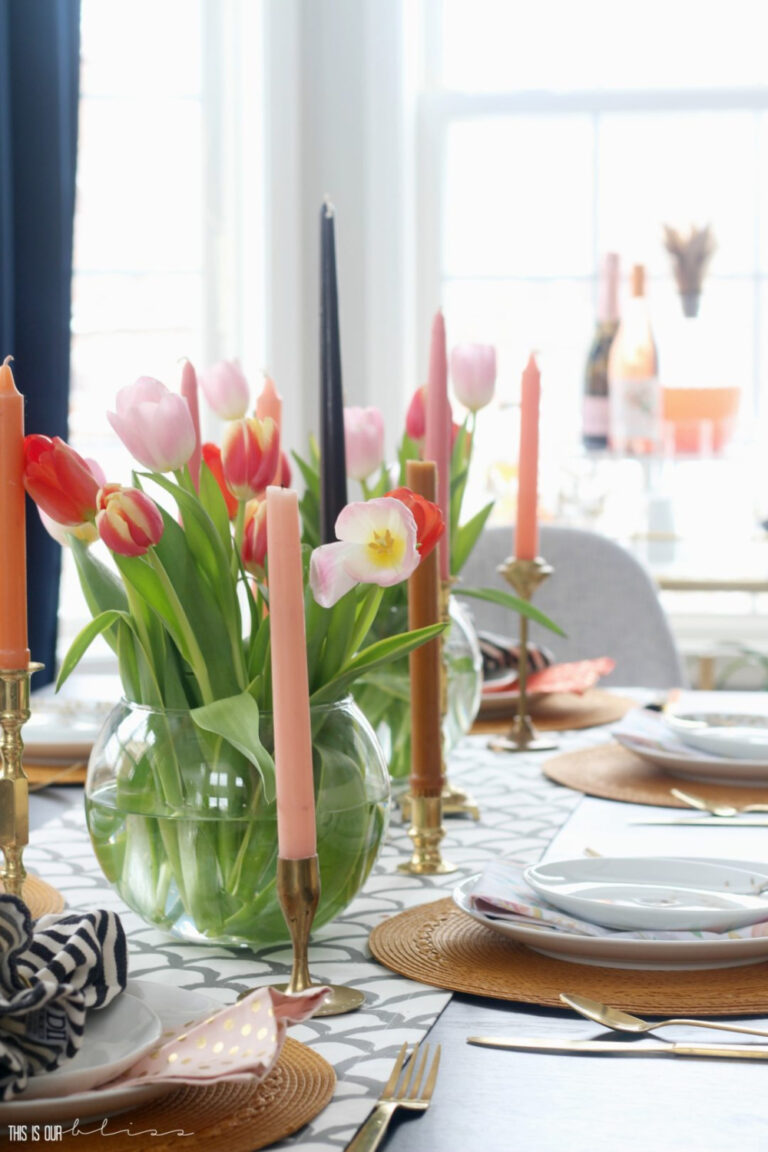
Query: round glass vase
{"x": 182, "y": 830}
{"x": 385, "y": 695}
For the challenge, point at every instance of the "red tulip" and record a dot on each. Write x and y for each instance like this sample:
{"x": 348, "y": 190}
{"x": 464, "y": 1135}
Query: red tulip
{"x": 283, "y": 475}
{"x": 254, "y": 548}
{"x": 428, "y": 517}
{"x": 212, "y": 457}
{"x": 250, "y": 453}
{"x": 129, "y": 522}
{"x": 59, "y": 480}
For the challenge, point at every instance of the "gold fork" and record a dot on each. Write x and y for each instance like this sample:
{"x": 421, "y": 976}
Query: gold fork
{"x": 399, "y": 1092}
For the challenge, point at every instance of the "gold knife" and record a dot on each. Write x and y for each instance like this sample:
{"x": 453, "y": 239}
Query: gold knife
{"x": 627, "y": 1048}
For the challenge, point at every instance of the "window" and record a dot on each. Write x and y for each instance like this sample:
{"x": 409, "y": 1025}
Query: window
{"x": 557, "y": 132}
{"x": 166, "y": 260}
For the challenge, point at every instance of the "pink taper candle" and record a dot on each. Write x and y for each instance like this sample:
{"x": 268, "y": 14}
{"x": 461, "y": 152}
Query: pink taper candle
{"x": 14, "y": 653}
{"x": 527, "y": 528}
{"x": 269, "y": 403}
{"x": 296, "y": 831}
{"x": 437, "y": 439}
{"x": 189, "y": 392}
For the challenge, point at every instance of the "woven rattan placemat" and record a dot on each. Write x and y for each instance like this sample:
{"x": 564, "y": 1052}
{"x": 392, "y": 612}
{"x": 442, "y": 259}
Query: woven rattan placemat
{"x": 615, "y": 773}
{"x": 224, "y": 1117}
{"x": 560, "y": 711}
{"x": 438, "y": 944}
{"x": 40, "y": 897}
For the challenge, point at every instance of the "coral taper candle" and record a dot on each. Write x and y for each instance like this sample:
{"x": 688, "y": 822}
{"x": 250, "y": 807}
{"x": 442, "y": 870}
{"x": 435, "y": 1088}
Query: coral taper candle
{"x": 527, "y": 528}
{"x": 14, "y": 653}
{"x": 296, "y": 831}
{"x": 424, "y": 609}
{"x": 189, "y": 392}
{"x": 333, "y": 465}
{"x": 437, "y": 440}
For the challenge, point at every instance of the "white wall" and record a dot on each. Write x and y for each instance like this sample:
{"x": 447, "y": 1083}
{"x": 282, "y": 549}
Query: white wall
{"x": 337, "y": 123}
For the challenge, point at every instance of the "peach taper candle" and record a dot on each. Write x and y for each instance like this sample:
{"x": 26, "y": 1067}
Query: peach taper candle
{"x": 527, "y": 528}
{"x": 437, "y": 440}
{"x": 296, "y": 831}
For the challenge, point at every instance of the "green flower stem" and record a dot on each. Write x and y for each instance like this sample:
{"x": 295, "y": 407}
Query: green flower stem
{"x": 199, "y": 665}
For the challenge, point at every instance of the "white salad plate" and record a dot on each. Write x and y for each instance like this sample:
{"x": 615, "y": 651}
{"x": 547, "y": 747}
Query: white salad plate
{"x": 121, "y": 1036}
{"x": 618, "y": 951}
{"x": 654, "y": 893}
{"x": 735, "y": 736}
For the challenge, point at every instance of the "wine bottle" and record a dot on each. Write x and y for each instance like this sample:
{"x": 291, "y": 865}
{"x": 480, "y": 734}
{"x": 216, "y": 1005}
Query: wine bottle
{"x": 633, "y": 378}
{"x": 595, "y": 417}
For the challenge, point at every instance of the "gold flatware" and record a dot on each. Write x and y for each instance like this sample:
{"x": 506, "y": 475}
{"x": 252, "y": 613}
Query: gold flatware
{"x": 404, "y": 1091}
{"x": 715, "y": 809}
{"x": 624, "y": 1022}
{"x": 626, "y": 1047}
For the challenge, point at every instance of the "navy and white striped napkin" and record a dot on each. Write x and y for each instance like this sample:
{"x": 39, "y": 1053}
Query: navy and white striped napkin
{"x": 52, "y": 971}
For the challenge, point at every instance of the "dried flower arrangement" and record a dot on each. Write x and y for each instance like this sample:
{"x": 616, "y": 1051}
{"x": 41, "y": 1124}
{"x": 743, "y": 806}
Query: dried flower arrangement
{"x": 691, "y": 255}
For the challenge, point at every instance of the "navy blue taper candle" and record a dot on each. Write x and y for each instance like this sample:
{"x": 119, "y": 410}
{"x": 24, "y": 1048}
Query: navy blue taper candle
{"x": 333, "y": 466}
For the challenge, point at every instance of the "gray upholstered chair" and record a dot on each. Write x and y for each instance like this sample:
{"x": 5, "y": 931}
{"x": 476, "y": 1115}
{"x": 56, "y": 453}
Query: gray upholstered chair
{"x": 600, "y": 595}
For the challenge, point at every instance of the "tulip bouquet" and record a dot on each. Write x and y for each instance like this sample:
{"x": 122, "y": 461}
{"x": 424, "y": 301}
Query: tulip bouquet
{"x": 384, "y": 693}
{"x": 184, "y": 604}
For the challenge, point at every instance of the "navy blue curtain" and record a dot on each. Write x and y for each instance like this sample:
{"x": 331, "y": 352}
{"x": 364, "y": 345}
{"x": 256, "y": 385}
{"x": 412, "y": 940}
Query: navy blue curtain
{"x": 39, "y": 80}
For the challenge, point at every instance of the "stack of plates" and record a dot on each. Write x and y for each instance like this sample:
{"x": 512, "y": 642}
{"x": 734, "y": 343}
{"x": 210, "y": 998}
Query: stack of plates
{"x": 62, "y": 731}
{"x": 723, "y": 747}
{"x": 115, "y": 1038}
{"x": 643, "y": 894}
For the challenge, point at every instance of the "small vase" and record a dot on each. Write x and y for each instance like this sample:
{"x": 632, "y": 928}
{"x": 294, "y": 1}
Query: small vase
{"x": 385, "y": 696}
{"x": 182, "y": 830}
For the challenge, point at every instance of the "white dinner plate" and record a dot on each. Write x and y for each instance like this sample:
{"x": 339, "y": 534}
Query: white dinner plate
{"x": 698, "y": 765}
{"x": 62, "y": 730}
{"x": 607, "y": 952}
{"x": 734, "y": 735}
{"x": 115, "y": 1037}
{"x": 653, "y": 893}
{"x": 175, "y": 1008}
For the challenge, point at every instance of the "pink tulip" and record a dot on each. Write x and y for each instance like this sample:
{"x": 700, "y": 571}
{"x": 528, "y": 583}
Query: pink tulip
{"x": 269, "y": 402}
{"x": 254, "y": 548}
{"x": 250, "y": 453}
{"x": 364, "y": 440}
{"x": 473, "y": 371}
{"x": 154, "y": 424}
{"x": 189, "y": 392}
{"x": 377, "y": 544}
{"x": 226, "y": 389}
{"x": 416, "y": 416}
{"x": 129, "y": 522}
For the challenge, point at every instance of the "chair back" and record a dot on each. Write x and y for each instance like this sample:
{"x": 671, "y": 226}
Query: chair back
{"x": 599, "y": 594}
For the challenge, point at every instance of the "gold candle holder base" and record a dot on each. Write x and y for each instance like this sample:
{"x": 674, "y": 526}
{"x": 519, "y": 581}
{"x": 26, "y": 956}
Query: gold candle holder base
{"x": 14, "y": 787}
{"x": 426, "y": 831}
{"x": 524, "y": 576}
{"x": 456, "y": 802}
{"x": 298, "y": 890}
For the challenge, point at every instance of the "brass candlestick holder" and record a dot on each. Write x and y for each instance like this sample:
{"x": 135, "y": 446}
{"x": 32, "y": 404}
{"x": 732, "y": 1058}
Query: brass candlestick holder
{"x": 524, "y": 576}
{"x": 426, "y": 831}
{"x": 14, "y": 788}
{"x": 298, "y": 890}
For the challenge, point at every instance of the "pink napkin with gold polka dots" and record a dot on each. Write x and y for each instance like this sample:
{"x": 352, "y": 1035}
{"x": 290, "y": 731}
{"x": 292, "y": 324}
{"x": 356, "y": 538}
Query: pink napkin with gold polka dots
{"x": 241, "y": 1042}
